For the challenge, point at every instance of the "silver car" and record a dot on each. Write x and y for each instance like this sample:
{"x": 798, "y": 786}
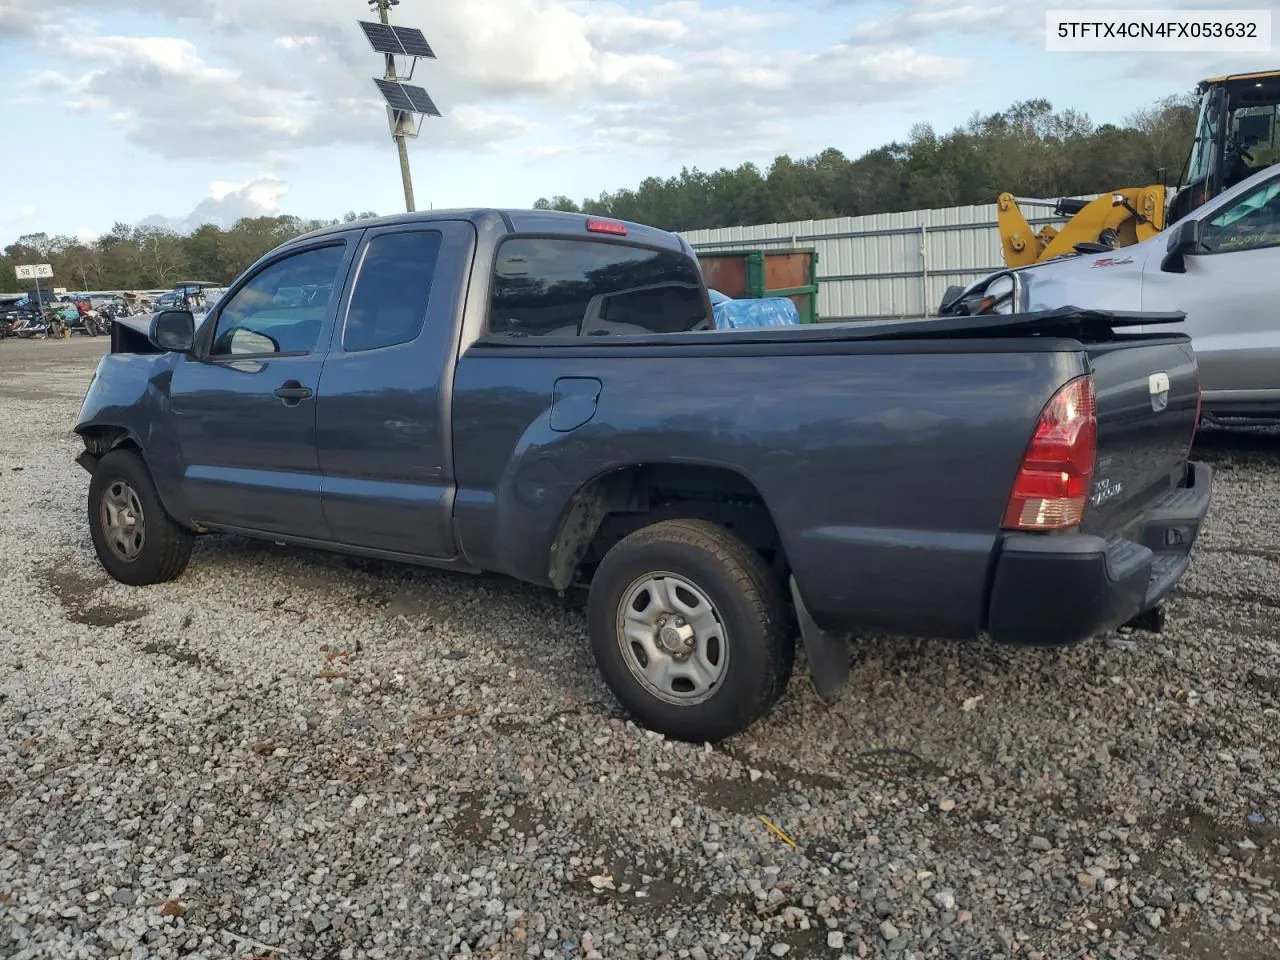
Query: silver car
{"x": 1220, "y": 265}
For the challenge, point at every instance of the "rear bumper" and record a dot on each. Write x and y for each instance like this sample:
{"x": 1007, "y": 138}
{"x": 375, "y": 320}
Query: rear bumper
{"x": 1054, "y": 590}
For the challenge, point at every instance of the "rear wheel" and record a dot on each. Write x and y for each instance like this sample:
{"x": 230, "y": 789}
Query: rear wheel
{"x": 136, "y": 541}
{"x": 689, "y": 630}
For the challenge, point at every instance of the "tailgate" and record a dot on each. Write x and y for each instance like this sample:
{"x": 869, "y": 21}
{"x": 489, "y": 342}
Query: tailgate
{"x": 1148, "y": 400}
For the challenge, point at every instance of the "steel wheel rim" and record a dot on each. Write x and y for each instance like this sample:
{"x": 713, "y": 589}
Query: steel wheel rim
{"x": 672, "y": 638}
{"x": 122, "y": 520}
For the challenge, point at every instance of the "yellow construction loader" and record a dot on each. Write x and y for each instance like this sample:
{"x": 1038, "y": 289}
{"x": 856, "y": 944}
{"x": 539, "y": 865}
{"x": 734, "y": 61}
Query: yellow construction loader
{"x": 1237, "y": 134}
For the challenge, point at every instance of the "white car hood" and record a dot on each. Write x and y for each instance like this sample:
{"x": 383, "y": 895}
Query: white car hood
{"x": 1111, "y": 281}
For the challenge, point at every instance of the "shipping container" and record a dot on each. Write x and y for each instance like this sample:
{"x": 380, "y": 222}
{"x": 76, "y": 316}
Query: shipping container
{"x": 756, "y": 274}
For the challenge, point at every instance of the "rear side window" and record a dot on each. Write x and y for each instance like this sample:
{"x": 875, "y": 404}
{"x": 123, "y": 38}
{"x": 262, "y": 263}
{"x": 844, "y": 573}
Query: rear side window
{"x": 389, "y": 303}
{"x": 568, "y": 288}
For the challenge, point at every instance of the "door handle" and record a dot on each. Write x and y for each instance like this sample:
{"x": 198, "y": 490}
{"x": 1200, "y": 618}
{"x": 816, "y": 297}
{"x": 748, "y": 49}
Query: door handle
{"x": 292, "y": 390}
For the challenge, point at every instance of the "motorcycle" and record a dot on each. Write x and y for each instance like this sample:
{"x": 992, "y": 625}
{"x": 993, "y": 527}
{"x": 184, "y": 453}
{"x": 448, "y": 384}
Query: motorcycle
{"x": 32, "y": 325}
{"x": 106, "y": 315}
{"x": 58, "y": 325}
{"x": 85, "y": 319}
{"x": 29, "y": 325}
{"x": 8, "y": 318}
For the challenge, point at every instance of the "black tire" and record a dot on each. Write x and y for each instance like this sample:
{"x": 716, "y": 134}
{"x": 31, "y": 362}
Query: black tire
{"x": 163, "y": 548}
{"x": 747, "y": 602}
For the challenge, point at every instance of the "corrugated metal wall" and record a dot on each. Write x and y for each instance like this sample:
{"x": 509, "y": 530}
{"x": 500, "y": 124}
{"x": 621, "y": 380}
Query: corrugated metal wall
{"x": 887, "y": 264}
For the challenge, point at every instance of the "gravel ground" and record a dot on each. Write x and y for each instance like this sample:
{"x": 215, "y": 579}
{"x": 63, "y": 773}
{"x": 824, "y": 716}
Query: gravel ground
{"x": 290, "y": 754}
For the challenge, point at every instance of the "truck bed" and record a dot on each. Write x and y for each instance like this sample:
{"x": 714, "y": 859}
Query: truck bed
{"x": 885, "y": 452}
{"x": 1087, "y": 326}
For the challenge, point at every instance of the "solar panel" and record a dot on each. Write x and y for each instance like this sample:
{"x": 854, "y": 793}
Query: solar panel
{"x": 422, "y": 102}
{"x": 404, "y": 96}
{"x": 396, "y": 96}
{"x": 413, "y": 42}
{"x": 382, "y": 37}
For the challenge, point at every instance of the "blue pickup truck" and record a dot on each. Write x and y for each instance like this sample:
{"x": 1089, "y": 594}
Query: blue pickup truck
{"x": 545, "y": 395}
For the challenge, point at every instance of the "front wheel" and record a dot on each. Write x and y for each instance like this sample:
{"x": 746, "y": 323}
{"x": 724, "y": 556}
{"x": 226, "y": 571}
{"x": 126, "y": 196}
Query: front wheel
{"x": 136, "y": 541}
{"x": 690, "y": 630}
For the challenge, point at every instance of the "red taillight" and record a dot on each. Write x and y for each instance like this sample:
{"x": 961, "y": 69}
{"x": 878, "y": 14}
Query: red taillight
{"x": 607, "y": 226}
{"x": 1053, "y": 482}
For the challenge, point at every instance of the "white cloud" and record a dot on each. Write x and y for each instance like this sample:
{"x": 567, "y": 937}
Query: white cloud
{"x": 292, "y": 43}
{"x": 238, "y": 87}
{"x": 15, "y": 220}
{"x": 15, "y": 22}
{"x": 751, "y": 102}
{"x": 483, "y": 126}
{"x": 677, "y": 23}
{"x": 228, "y": 202}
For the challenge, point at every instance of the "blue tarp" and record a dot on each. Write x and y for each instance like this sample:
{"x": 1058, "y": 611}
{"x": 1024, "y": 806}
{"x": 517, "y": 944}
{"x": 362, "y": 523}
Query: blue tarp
{"x": 741, "y": 314}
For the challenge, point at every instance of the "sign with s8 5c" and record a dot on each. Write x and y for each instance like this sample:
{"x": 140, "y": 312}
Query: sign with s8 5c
{"x": 1158, "y": 31}
{"x": 33, "y": 271}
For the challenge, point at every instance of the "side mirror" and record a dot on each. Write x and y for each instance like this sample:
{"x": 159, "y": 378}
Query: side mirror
{"x": 244, "y": 341}
{"x": 173, "y": 330}
{"x": 1186, "y": 238}
{"x": 951, "y": 295}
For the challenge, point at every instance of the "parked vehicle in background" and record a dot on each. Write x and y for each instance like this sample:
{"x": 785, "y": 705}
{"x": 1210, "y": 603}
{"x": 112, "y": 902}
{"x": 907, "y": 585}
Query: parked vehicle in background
{"x": 11, "y": 309}
{"x": 172, "y": 300}
{"x": 1220, "y": 265}
{"x": 52, "y": 322}
{"x": 545, "y": 395}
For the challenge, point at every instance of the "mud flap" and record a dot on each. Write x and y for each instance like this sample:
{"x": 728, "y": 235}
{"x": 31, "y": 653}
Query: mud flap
{"x": 828, "y": 652}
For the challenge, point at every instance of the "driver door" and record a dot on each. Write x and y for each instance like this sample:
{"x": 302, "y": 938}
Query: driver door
{"x": 244, "y": 403}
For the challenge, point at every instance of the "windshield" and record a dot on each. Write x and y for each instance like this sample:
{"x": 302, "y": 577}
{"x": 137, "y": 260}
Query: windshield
{"x": 1203, "y": 159}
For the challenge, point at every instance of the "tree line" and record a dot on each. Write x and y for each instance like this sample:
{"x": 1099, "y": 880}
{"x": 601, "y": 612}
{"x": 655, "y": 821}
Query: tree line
{"x": 1029, "y": 149}
{"x": 147, "y": 257}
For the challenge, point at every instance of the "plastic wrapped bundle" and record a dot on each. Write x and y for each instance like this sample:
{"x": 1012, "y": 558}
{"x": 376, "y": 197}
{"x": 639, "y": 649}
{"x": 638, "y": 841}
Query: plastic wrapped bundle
{"x": 733, "y": 314}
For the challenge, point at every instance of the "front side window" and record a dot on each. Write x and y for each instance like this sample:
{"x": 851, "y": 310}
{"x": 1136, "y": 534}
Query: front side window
{"x": 569, "y": 288}
{"x": 389, "y": 305}
{"x": 283, "y": 308}
{"x": 1248, "y": 224}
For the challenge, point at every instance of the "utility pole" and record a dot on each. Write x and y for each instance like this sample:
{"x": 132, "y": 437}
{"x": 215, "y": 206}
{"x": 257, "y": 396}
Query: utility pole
{"x": 405, "y": 176}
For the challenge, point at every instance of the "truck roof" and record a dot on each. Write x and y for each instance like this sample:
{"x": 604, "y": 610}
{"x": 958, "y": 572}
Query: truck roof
{"x": 553, "y": 222}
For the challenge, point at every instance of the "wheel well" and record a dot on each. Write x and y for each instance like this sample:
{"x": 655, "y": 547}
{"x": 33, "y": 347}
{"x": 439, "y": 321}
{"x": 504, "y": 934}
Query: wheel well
{"x": 102, "y": 440}
{"x": 620, "y": 502}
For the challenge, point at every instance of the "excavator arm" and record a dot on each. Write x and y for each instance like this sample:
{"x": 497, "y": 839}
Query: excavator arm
{"x": 1116, "y": 219}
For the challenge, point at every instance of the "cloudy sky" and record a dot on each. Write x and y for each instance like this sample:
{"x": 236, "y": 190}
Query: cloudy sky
{"x": 190, "y": 111}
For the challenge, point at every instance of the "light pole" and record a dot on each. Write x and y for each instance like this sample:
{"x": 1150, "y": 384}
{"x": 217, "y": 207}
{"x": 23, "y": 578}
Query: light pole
{"x": 384, "y": 7}
{"x": 407, "y": 106}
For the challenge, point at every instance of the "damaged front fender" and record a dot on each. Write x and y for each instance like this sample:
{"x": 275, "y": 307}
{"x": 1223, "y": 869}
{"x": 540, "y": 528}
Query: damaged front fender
{"x": 127, "y": 404}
